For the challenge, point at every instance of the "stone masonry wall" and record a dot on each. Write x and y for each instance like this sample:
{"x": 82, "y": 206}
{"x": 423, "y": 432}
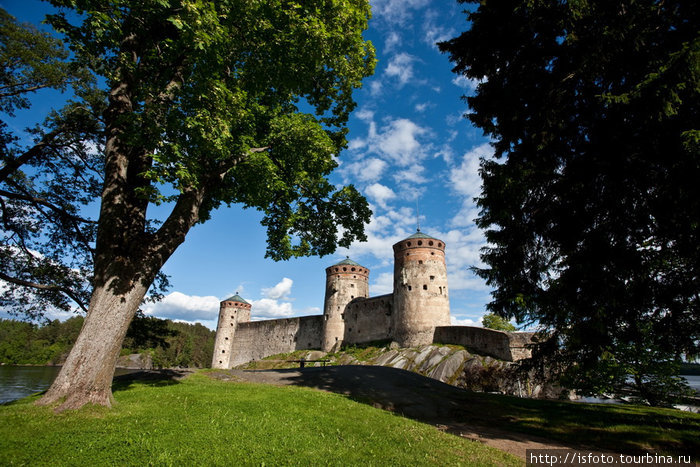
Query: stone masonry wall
{"x": 259, "y": 339}
{"x": 368, "y": 319}
{"x": 502, "y": 345}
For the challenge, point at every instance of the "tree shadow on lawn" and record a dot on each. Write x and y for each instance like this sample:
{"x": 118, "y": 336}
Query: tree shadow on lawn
{"x": 153, "y": 378}
{"x": 622, "y": 428}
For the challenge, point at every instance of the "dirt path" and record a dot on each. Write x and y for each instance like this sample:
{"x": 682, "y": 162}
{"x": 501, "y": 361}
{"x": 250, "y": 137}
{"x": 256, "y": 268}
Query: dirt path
{"x": 410, "y": 394}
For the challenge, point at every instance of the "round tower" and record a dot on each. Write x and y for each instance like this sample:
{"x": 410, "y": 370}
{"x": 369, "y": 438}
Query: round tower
{"x": 345, "y": 282}
{"x": 421, "y": 301}
{"x": 232, "y": 311}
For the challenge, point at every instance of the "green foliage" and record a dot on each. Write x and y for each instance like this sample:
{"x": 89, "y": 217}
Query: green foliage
{"x": 48, "y": 174}
{"x": 492, "y": 321}
{"x": 27, "y": 343}
{"x": 200, "y": 421}
{"x": 32, "y": 60}
{"x": 591, "y": 205}
{"x": 213, "y": 103}
{"x": 170, "y": 344}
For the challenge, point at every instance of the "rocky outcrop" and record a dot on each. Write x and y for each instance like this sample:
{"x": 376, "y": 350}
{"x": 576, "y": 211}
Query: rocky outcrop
{"x": 136, "y": 361}
{"x": 449, "y": 364}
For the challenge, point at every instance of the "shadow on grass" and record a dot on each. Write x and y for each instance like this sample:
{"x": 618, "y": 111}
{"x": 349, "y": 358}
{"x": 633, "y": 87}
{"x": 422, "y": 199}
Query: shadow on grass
{"x": 619, "y": 428}
{"x": 152, "y": 378}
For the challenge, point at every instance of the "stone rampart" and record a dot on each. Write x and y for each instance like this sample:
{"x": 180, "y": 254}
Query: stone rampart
{"x": 368, "y": 319}
{"x": 259, "y": 339}
{"x": 509, "y": 346}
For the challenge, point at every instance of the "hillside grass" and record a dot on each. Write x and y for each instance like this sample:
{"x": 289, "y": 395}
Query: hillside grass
{"x": 201, "y": 421}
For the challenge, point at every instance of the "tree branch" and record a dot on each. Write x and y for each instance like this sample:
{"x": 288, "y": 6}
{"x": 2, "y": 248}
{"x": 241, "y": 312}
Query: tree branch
{"x": 55, "y": 288}
{"x": 13, "y": 164}
{"x": 42, "y": 202}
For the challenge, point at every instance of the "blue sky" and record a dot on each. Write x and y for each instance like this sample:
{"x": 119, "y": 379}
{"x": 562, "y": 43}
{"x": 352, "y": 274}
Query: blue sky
{"x": 408, "y": 145}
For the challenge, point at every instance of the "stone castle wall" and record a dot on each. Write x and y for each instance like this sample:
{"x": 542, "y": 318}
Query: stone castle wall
{"x": 509, "y": 346}
{"x": 369, "y": 319}
{"x": 259, "y": 339}
{"x": 416, "y": 313}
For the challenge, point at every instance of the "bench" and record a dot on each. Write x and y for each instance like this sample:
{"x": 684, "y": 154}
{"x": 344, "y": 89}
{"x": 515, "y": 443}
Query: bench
{"x": 302, "y": 362}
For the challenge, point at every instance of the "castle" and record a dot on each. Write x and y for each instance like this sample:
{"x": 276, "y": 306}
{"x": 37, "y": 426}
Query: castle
{"x": 416, "y": 313}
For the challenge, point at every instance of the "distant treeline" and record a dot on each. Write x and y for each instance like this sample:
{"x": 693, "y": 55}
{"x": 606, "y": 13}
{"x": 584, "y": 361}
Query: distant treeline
{"x": 169, "y": 344}
{"x": 690, "y": 368}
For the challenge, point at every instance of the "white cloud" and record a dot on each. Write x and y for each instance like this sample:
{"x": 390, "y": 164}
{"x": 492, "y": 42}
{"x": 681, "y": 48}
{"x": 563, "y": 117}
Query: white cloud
{"x": 280, "y": 290}
{"x": 423, "y": 106}
{"x": 466, "y": 321}
{"x": 399, "y": 141}
{"x": 466, "y": 182}
{"x": 401, "y": 67}
{"x": 411, "y": 175}
{"x": 393, "y": 39}
{"x": 433, "y": 32}
{"x": 190, "y": 308}
{"x": 368, "y": 170}
{"x": 380, "y": 193}
{"x": 454, "y": 119}
{"x": 396, "y": 11}
{"x": 375, "y": 87}
{"x": 465, "y": 83}
{"x": 383, "y": 284}
{"x": 269, "y": 308}
{"x": 365, "y": 115}
{"x": 465, "y": 177}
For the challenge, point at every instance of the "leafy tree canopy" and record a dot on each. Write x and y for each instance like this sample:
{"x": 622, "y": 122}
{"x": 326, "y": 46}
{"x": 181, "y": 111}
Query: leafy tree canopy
{"x": 591, "y": 205}
{"x": 205, "y": 104}
{"x": 492, "y": 321}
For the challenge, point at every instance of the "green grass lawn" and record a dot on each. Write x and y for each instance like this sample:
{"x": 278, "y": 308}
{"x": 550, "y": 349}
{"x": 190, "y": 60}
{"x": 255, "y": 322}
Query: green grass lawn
{"x": 614, "y": 427}
{"x": 207, "y": 422}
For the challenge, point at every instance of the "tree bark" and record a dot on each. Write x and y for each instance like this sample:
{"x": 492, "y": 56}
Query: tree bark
{"x": 86, "y": 377}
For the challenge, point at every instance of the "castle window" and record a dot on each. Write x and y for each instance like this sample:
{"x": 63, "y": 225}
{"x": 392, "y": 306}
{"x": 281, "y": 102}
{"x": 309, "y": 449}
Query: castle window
{"x": 432, "y": 253}
{"x": 342, "y": 316}
{"x": 440, "y": 290}
{"x": 225, "y": 338}
{"x": 231, "y": 316}
{"x": 432, "y": 278}
{"x": 425, "y": 287}
{"x": 420, "y": 261}
{"x": 351, "y": 297}
{"x": 231, "y": 324}
{"x": 406, "y": 254}
{"x": 336, "y": 339}
{"x": 220, "y": 361}
{"x": 352, "y": 269}
{"x": 409, "y": 288}
{"x": 440, "y": 245}
{"x": 354, "y": 277}
{"x": 420, "y": 242}
{"x": 430, "y": 243}
{"x": 408, "y": 244}
{"x": 223, "y": 351}
{"x": 345, "y": 269}
{"x": 352, "y": 285}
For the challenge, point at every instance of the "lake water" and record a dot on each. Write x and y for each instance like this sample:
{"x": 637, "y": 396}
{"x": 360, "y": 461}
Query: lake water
{"x": 22, "y": 381}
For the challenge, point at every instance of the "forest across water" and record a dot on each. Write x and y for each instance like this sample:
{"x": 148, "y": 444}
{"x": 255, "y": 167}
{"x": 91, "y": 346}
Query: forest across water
{"x": 167, "y": 343}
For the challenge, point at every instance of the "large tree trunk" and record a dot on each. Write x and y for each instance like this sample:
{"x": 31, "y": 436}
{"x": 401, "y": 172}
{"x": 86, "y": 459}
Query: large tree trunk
{"x": 86, "y": 377}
